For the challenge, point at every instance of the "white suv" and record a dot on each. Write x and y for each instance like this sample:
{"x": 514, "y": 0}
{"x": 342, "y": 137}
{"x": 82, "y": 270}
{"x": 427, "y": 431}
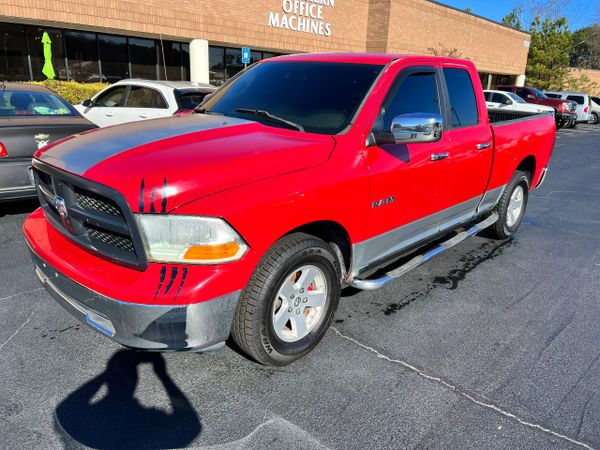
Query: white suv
{"x": 131, "y": 100}
{"x": 584, "y": 108}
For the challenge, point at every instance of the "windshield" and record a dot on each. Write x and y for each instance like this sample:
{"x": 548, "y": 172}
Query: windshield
{"x": 515, "y": 97}
{"x": 22, "y": 103}
{"x": 318, "y": 97}
{"x": 538, "y": 93}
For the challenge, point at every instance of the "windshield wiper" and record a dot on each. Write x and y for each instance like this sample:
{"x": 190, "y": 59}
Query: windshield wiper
{"x": 206, "y": 111}
{"x": 268, "y": 115}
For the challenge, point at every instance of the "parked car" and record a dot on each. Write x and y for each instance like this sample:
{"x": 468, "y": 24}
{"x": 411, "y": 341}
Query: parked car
{"x": 510, "y": 102}
{"x": 132, "y": 100}
{"x": 566, "y": 111}
{"x": 583, "y": 102}
{"x": 304, "y": 174}
{"x": 595, "y": 115}
{"x": 30, "y": 117}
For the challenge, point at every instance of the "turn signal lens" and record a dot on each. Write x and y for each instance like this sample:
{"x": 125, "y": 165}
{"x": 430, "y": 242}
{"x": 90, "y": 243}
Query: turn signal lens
{"x": 3, "y": 151}
{"x": 212, "y": 252}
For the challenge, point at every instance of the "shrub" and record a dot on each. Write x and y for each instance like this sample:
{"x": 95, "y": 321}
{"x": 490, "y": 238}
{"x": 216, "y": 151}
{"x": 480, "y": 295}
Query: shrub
{"x": 72, "y": 91}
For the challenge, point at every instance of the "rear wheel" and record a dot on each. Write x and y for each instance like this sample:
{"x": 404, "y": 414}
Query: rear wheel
{"x": 511, "y": 207}
{"x": 594, "y": 118}
{"x": 289, "y": 302}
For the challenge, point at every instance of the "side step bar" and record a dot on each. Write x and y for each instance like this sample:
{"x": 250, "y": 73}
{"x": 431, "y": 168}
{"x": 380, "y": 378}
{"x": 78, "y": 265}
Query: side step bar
{"x": 369, "y": 285}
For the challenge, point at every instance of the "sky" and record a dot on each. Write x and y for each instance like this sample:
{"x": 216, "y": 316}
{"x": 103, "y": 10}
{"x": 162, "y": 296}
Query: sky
{"x": 579, "y": 13}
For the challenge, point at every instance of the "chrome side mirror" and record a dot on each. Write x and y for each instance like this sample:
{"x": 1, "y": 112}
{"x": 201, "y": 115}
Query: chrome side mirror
{"x": 417, "y": 127}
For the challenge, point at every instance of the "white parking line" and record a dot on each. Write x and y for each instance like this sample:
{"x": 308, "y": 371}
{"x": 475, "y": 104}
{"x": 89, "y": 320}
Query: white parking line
{"x": 465, "y": 394}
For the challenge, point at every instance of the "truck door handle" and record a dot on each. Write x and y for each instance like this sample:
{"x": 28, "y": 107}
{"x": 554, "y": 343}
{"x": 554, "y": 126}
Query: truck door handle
{"x": 484, "y": 146}
{"x": 439, "y": 156}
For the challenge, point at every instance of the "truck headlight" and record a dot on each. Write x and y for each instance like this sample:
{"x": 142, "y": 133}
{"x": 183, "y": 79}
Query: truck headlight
{"x": 189, "y": 239}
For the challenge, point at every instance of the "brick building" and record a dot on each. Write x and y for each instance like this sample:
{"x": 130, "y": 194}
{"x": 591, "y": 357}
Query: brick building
{"x": 201, "y": 40}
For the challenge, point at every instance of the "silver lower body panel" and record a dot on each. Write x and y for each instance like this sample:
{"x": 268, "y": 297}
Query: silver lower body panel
{"x": 201, "y": 326}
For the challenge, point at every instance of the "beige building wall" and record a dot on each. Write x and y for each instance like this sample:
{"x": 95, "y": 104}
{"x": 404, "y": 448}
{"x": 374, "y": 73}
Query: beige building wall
{"x": 593, "y": 75}
{"x": 390, "y": 26}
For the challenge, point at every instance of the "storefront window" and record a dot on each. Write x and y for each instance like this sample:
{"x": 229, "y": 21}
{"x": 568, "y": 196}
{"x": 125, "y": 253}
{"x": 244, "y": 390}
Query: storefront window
{"x": 113, "y": 57}
{"x": 216, "y": 65}
{"x": 233, "y": 61}
{"x": 255, "y": 56}
{"x": 36, "y": 50}
{"x": 13, "y": 53}
{"x": 185, "y": 59}
{"x": 82, "y": 56}
{"x": 143, "y": 58}
{"x": 172, "y": 59}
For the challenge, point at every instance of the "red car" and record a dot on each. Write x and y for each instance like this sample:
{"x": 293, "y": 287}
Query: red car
{"x": 566, "y": 110}
{"x": 304, "y": 174}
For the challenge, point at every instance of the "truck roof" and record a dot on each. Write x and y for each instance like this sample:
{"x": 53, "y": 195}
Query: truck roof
{"x": 364, "y": 58}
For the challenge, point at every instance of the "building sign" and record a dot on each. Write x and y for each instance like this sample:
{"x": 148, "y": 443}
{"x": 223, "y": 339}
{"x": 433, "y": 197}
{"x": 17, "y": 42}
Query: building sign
{"x": 306, "y": 16}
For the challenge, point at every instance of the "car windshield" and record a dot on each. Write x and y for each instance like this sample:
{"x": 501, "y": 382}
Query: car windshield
{"x": 317, "y": 97}
{"x": 515, "y": 97}
{"x": 538, "y": 93}
{"x": 24, "y": 103}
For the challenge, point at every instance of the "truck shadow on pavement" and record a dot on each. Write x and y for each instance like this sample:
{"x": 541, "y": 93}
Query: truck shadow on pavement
{"x": 117, "y": 419}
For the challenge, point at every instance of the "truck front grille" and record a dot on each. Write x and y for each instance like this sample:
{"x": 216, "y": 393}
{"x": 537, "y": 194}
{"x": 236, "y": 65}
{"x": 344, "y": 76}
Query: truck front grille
{"x": 92, "y": 215}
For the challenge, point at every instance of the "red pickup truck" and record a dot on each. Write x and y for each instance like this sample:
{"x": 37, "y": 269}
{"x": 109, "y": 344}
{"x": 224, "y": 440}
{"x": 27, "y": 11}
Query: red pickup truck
{"x": 301, "y": 175}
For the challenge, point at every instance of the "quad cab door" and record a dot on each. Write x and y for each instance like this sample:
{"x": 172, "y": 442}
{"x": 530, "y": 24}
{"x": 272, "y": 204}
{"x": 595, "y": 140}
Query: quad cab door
{"x": 471, "y": 146}
{"x": 410, "y": 183}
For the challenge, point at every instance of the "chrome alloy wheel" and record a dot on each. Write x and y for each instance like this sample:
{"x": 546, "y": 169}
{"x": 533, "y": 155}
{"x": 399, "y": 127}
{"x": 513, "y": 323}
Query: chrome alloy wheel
{"x": 300, "y": 303}
{"x": 515, "y": 206}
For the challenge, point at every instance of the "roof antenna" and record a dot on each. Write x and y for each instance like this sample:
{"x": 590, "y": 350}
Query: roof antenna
{"x": 162, "y": 49}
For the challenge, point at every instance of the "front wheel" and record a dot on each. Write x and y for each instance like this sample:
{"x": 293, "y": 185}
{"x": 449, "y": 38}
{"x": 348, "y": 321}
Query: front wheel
{"x": 289, "y": 301}
{"x": 511, "y": 207}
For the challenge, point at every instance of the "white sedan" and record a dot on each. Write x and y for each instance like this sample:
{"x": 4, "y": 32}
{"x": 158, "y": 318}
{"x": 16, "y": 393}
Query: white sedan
{"x": 132, "y": 100}
{"x": 509, "y": 101}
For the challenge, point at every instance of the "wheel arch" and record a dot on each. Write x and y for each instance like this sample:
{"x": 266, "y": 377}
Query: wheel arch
{"x": 334, "y": 234}
{"x": 528, "y": 165}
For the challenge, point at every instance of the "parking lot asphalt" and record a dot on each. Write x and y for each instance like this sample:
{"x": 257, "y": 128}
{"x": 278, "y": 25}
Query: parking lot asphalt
{"x": 492, "y": 345}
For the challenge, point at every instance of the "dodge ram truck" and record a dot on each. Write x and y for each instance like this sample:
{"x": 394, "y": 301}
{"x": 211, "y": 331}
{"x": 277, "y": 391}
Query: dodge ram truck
{"x": 300, "y": 176}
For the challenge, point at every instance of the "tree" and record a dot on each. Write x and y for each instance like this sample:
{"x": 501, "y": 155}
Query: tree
{"x": 469, "y": 10}
{"x": 551, "y": 40}
{"x": 514, "y": 19}
{"x": 586, "y": 48}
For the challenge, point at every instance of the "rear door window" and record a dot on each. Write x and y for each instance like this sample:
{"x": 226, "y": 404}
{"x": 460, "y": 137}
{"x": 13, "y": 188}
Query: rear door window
{"x": 463, "y": 104}
{"x": 580, "y": 99}
{"x": 143, "y": 97}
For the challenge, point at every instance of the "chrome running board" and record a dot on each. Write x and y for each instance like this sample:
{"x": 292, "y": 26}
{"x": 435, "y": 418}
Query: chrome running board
{"x": 369, "y": 285}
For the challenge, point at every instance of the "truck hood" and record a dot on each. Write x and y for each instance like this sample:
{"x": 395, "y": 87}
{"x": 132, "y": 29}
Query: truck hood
{"x": 158, "y": 165}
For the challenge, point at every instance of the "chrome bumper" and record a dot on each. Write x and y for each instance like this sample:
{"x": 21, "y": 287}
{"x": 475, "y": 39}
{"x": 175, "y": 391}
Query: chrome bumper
{"x": 197, "y": 327}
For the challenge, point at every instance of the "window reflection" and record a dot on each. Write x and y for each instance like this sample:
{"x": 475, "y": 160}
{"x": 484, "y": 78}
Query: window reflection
{"x": 82, "y": 56}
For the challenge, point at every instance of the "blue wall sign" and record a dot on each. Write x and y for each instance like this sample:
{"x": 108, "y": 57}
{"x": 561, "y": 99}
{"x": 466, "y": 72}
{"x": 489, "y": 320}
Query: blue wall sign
{"x": 245, "y": 55}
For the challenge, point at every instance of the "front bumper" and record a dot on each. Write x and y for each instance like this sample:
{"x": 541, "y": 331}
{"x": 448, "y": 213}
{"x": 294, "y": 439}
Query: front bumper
{"x": 566, "y": 116}
{"x": 200, "y": 326}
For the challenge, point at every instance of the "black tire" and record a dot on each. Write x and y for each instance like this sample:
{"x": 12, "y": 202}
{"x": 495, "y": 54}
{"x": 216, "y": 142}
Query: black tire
{"x": 253, "y": 328}
{"x": 560, "y": 124}
{"x": 572, "y": 124}
{"x": 594, "y": 118}
{"x": 501, "y": 229}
